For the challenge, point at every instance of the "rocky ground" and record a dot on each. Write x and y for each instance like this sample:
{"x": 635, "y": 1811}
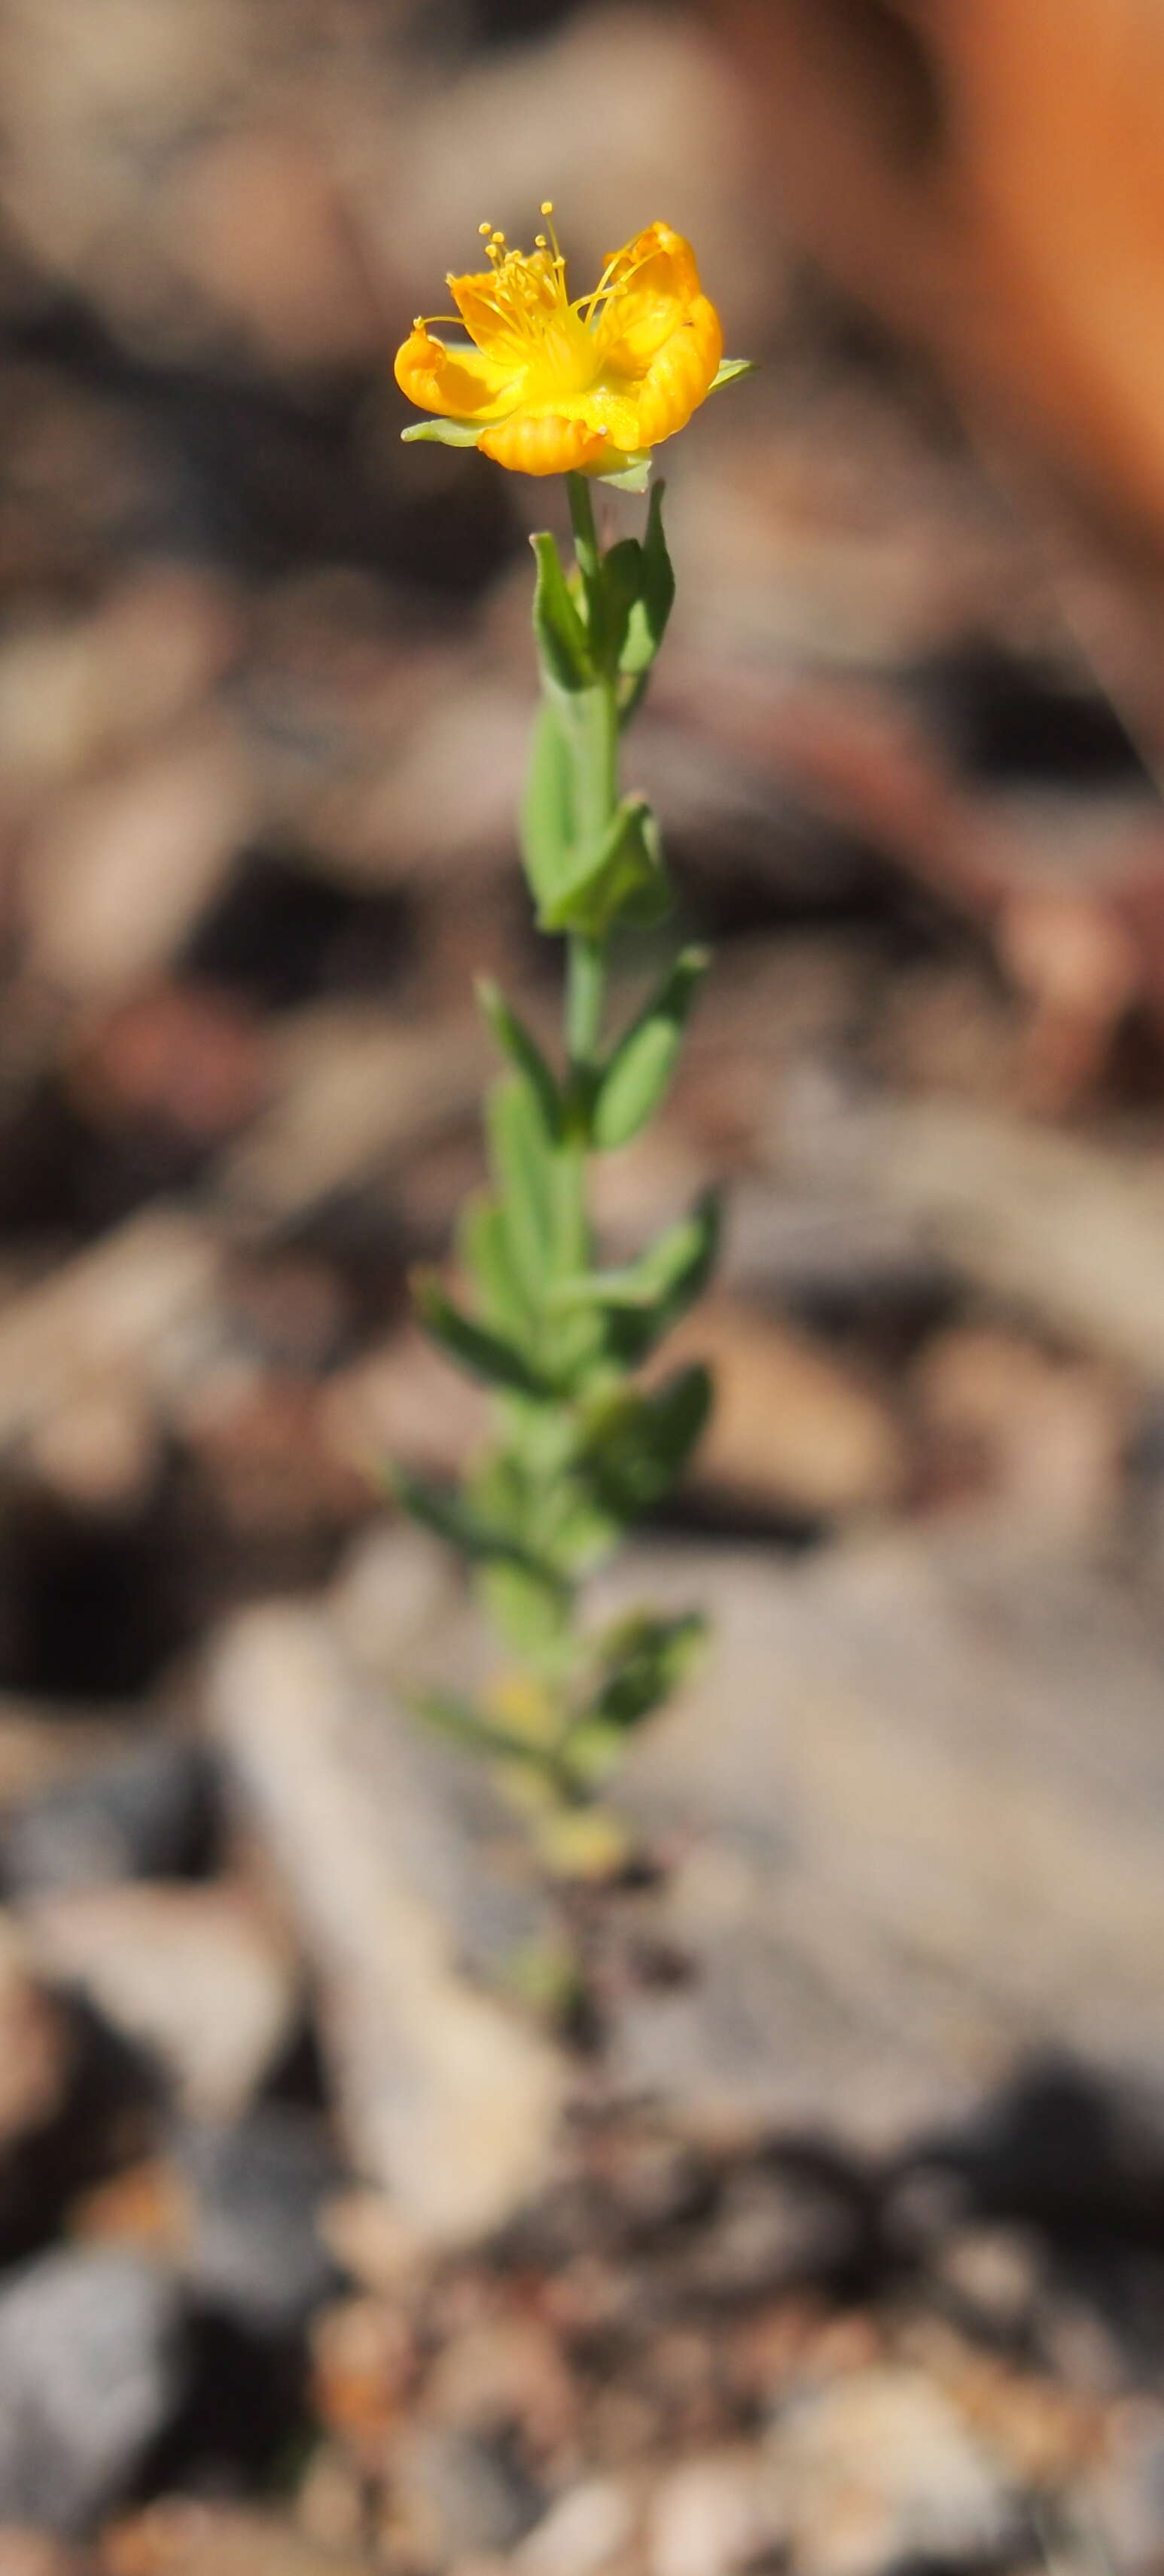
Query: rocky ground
{"x": 822, "y": 2225}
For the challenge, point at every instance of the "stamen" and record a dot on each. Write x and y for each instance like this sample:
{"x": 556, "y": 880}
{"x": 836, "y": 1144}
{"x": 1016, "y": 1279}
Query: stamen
{"x": 483, "y": 229}
{"x": 547, "y": 208}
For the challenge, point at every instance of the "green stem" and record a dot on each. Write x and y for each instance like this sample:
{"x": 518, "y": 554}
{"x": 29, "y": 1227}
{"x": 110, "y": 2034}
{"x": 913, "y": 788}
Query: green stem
{"x": 585, "y": 993}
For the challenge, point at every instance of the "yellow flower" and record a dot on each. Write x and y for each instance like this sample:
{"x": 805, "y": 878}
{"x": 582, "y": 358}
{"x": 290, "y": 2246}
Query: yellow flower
{"x": 551, "y": 386}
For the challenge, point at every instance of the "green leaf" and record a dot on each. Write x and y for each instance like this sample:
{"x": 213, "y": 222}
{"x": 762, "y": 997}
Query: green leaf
{"x": 633, "y": 475}
{"x": 638, "y": 1075}
{"x": 645, "y": 1659}
{"x": 459, "y": 1719}
{"x": 639, "y": 1444}
{"x": 621, "y": 878}
{"x": 445, "y": 433}
{"x": 646, "y": 1298}
{"x": 523, "y": 1163}
{"x": 647, "y": 623}
{"x": 523, "y": 1052}
{"x": 530, "y": 1614}
{"x": 548, "y": 817}
{"x": 539, "y": 1188}
{"x": 483, "y": 1243}
{"x": 621, "y": 582}
{"x": 450, "y": 1517}
{"x": 729, "y": 369}
{"x": 483, "y": 1353}
{"x": 562, "y": 641}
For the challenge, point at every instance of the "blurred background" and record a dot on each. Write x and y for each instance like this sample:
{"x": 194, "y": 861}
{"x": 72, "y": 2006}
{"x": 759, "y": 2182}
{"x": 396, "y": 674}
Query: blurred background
{"x": 826, "y": 2231}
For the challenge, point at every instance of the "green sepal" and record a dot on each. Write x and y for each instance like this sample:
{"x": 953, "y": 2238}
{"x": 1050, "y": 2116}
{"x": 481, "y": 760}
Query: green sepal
{"x": 639, "y": 1444}
{"x": 523, "y": 1052}
{"x": 475, "y": 1347}
{"x": 620, "y": 878}
{"x": 727, "y": 371}
{"x": 633, "y": 475}
{"x": 445, "y": 433}
{"x": 639, "y": 1073}
{"x": 454, "y": 1520}
{"x": 651, "y": 610}
{"x": 561, "y": 637}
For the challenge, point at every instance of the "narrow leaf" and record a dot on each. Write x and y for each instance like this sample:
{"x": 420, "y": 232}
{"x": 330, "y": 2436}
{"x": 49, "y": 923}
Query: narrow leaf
{"x": 643, "y": 1300}
{"x": 638, "y": 1075}
{"x": 485, "y": 1249}
{"x": 459, "y": 1719}
{"x": 621, "y": 877}
{"x": 561, "y": 637}
{"x": 640, "y": 1444}
{"x": 450, "y": 1517}
{"x": 645, "y": 1659}
{"x": 485, "y": 1354}
{"x": 548, "y": 817}
{"x": 647, "y": 623}
{"x": 523, "y": 1052}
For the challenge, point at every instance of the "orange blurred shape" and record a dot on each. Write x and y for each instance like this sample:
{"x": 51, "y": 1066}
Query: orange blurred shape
{"x": 989, "y": 174}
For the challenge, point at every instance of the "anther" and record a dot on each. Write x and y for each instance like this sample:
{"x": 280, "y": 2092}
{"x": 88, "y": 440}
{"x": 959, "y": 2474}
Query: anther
{"x": 483, "y": 229}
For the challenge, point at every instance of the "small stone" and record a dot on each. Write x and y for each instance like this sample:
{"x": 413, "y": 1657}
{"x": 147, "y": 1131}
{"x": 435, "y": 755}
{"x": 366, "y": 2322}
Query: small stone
{"x": 998, "y": 2271}
{"x": 194, "y": 1974}
{"x": 259, "y": 2187}
{"x": 148, "y": 1814}
{"x": 91, "y": 2372}
{"x": 714, "y": 2515}
{"x": 462, "y": 2493}
{"x": 580, "y": 2535}
{"x": 775, "y": 2231}
{"x": 879, "y": 2470}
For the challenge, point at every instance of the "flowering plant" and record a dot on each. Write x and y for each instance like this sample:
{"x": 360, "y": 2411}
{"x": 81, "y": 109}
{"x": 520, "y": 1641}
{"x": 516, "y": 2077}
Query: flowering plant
{"x": 586, "y": 388}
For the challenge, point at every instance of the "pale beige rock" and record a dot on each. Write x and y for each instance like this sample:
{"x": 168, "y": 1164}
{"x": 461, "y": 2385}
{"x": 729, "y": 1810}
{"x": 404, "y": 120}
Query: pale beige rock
{"x": 715, "y": 2515}
{"x": 906, "y": 1858}
{"x": 1072, "y": 1229}
{"x": 448, "y": 2100}
{"x": 124, "y": 865}
{"x": 584, "y": 2534}
{"x": 121, "y": 1313}
{"x": 193, "y": 1973}
{"x": 790, "y": 1429}
{"x": 879, "y": 2470}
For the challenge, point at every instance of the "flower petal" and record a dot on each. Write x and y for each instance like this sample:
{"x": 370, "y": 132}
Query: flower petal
{"x": 638, "y": 413}
{"x": 490, "y": 315}
{"x": 544, "y": 443}
{"x": 652, "y": 286}
{"x": 460, "y": 383}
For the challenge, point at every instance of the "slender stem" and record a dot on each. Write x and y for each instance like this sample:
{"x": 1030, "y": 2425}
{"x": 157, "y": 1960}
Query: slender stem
{"x": 585, "y": 993}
